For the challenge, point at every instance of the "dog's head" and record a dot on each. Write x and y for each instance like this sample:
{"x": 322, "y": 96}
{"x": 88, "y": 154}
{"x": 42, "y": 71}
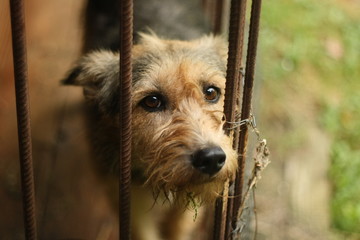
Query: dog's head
{"x": 178, "y": 87}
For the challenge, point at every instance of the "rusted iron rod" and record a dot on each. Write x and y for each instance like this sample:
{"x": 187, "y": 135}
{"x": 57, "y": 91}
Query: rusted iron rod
{"x": 218, "y": 16}
{"x": 246, "y": 106}
{"x": 23, "y": 116}
{"x": 219, "y": 225}
{"x": 126, "y": 40}
{"x": 236, "y": 39}
{"x": 237, "y": 25}
{"x": 235, "y": 52}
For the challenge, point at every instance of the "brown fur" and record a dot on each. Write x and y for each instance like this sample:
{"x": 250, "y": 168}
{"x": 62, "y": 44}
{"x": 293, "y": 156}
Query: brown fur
{"x": 163, "y": 141}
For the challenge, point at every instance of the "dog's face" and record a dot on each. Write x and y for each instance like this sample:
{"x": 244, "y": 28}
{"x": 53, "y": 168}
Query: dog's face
{"x": 178, "y": 143}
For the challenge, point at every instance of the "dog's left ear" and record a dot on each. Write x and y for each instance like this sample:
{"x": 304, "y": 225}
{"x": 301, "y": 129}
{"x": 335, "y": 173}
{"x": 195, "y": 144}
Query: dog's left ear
{"x": 221, "y": 47}
{"x": 214, "y": 50}
{"x": 218, "y": 43}
{"x": 98, "y": 74}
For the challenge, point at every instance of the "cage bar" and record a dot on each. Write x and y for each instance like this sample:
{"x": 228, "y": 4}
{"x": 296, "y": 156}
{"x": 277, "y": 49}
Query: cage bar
{"x": 246, "y": 110}
{"x": 126, "y": 39}
{"x": 233, "y": 78}
{"x": 23, "y": 116}
{"x": 236, "y": 44}
{"x": 218, "y": 16}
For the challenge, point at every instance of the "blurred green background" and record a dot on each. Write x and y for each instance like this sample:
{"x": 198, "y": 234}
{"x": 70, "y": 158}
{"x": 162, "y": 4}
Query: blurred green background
{"x": 310, "y": 108}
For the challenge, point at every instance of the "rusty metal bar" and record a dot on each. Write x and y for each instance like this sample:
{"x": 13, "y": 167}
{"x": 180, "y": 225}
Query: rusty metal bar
{"x": 218, "y": 16}
{"x": 126, "y": 41}
{"x": 246, "y": 106}
{"x": 206, "y": 7}
{"x": 23, "y": 116}
{"x": 235, "y": 52}
{"x": 236, "y": 34}
{"x": 218, "y": 220}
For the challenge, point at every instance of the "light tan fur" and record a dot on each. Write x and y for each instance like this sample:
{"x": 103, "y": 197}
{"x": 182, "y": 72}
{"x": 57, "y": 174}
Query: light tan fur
{"x": 163, "y": 142}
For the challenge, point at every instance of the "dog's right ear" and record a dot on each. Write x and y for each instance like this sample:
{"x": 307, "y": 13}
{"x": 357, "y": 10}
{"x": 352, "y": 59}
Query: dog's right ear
{"x": 98, "y": 74}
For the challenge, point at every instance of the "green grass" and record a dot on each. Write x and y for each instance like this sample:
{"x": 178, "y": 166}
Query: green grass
{"x": 311, "y": 55}
{"x": 343, "y": 122}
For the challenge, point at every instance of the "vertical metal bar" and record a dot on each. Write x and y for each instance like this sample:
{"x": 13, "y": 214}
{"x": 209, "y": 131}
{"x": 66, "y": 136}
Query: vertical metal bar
{"x": 219, "y": 7}
{"x": 206, "y": 7}
{"x": 126, "y": 35}
{"x": 23, "y": 116}
{"x": 218, "y": 233}
{"x": 246, "y": 104}
{"x": 236, "y": 39}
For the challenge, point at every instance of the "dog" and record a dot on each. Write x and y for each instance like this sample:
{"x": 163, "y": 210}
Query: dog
{"x": 181, "y": 156}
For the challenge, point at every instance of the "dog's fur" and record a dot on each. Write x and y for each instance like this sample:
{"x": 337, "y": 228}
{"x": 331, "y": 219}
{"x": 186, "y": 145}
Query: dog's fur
{"x": 177, "y": 110}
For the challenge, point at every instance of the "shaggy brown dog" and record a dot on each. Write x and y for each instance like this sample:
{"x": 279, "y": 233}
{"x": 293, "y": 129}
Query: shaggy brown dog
{"x": 181, "y": 156}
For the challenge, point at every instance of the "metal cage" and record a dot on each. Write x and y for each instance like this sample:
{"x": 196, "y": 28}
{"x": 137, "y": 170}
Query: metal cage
{"x": 227, "y": 209}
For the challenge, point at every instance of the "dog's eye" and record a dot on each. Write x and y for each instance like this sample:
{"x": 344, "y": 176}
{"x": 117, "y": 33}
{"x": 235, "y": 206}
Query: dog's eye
{"x": 153, "y": 103}
{"x": 212, "y": 94}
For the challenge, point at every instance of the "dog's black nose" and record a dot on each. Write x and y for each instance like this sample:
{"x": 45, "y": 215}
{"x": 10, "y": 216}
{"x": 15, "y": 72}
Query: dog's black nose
{"x": 209, "y": 160}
